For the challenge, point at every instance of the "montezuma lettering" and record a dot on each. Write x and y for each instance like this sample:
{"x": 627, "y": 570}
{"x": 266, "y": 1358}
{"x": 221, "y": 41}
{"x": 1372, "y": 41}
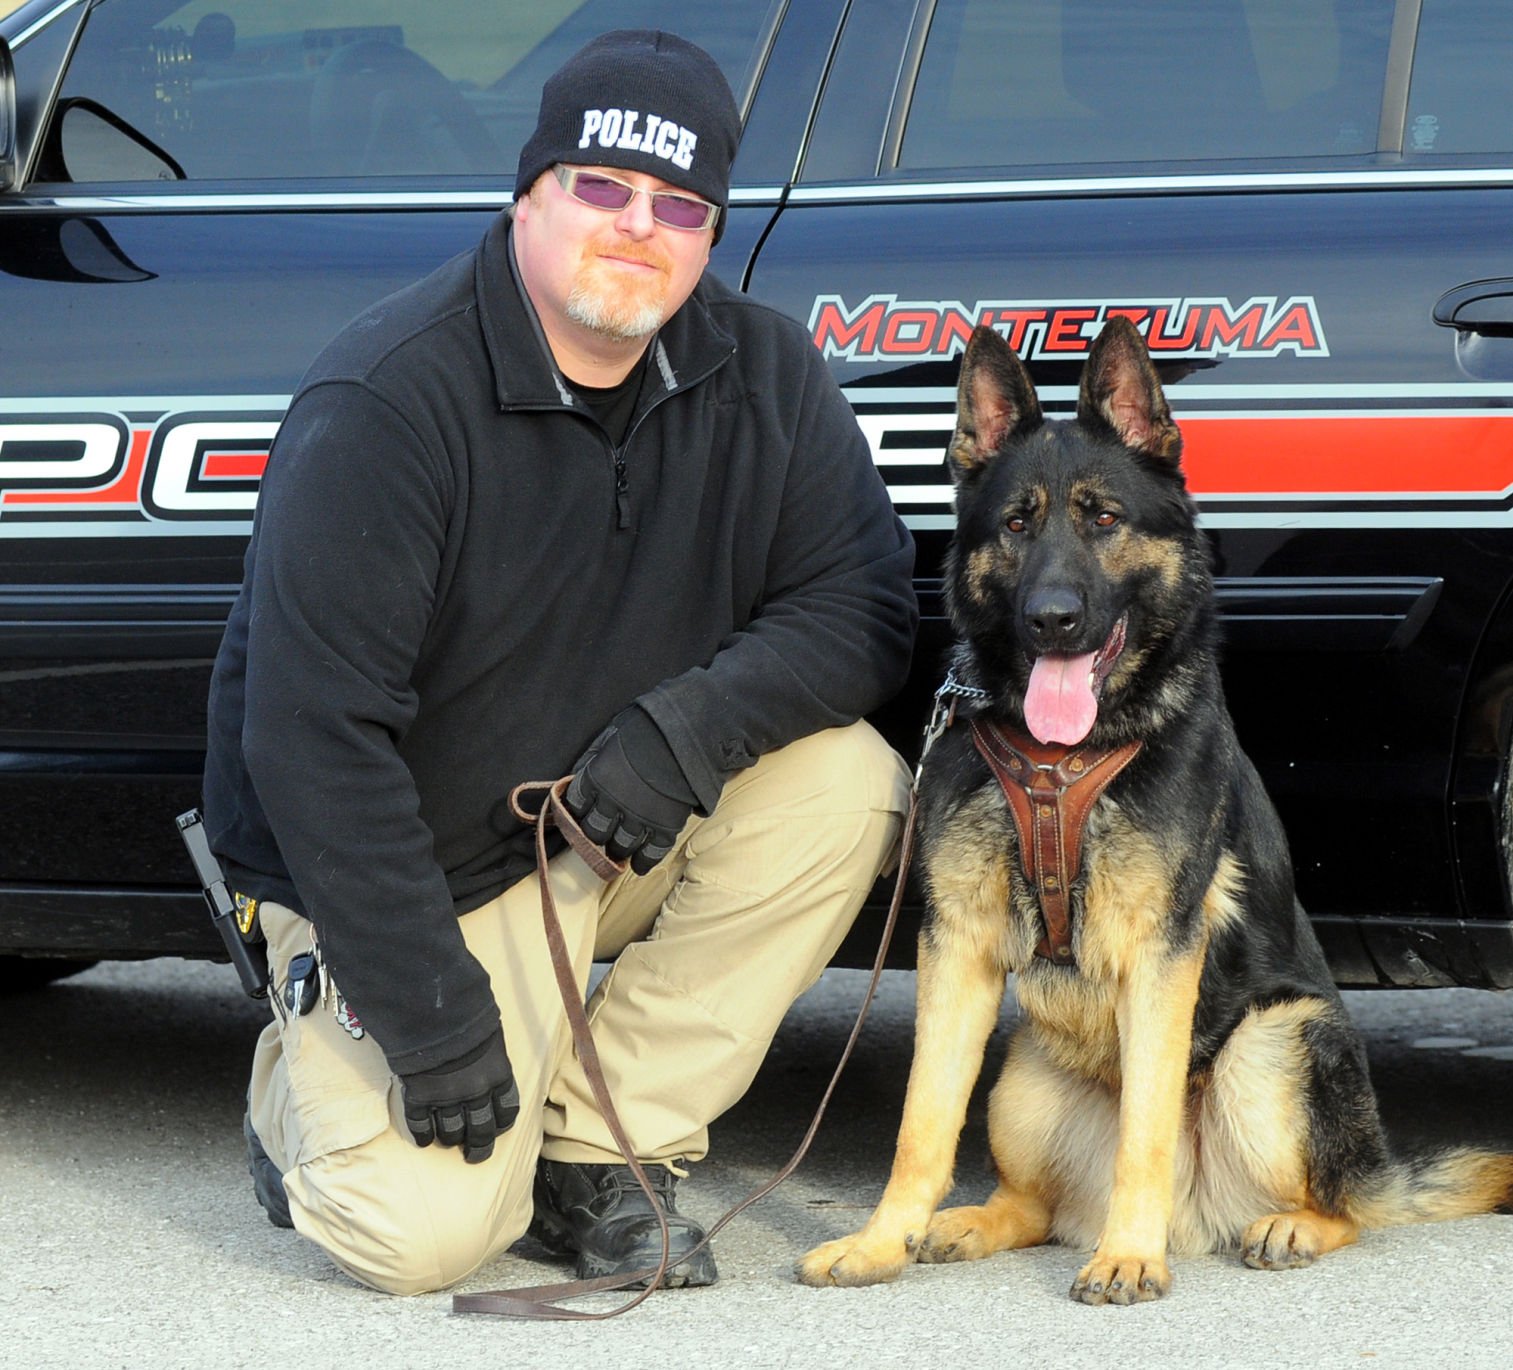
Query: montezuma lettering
{"x": 885, "y": 328}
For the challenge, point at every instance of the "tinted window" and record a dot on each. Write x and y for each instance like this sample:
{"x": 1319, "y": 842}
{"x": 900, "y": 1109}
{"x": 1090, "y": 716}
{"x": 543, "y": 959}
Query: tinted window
{"x": 1042, "y": 82}
{"x": 1461, "y": 100}
{"x": 284, "y": 88}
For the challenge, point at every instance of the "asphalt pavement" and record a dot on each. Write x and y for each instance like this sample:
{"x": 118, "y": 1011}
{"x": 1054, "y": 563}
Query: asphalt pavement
{"x": 131, "y": 1238}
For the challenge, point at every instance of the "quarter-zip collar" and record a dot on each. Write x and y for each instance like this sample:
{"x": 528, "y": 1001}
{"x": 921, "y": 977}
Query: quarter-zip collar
{"x": 689, "y": 347}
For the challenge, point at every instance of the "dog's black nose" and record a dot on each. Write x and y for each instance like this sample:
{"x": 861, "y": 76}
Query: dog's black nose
{"x": 1053, "y": 615}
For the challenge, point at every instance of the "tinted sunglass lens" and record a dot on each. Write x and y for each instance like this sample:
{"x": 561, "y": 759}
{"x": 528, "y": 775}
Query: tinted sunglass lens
{"x": 678, "y": 211}
{"x": 601, "y": 192}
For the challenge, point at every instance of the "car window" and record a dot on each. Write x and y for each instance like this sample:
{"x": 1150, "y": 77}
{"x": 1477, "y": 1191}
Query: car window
{"x": 238, "y": 89}
{"x": 1461, "y": 99}
{"x": 1042, "y": 82}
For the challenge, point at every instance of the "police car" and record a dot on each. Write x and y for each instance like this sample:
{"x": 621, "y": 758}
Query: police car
{"x": 1302, "y": 204}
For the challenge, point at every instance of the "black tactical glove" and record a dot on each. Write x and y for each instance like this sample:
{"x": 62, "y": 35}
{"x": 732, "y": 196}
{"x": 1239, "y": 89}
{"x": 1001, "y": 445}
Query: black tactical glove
{"x": 629, "y": 792}
{"x": 467, "y": 1102}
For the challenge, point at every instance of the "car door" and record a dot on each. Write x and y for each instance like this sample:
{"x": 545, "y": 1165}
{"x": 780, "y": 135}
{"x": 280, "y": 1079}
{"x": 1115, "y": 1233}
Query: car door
{"x": 206, "y": 193}
{"x": 1281, "y": 195}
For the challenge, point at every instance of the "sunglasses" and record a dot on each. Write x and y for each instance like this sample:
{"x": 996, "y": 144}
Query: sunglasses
{"x": 611, "y": 194}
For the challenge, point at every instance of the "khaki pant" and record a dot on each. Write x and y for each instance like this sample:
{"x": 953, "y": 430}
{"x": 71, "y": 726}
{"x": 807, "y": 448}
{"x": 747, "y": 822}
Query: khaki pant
{"x": 711, "y": 949}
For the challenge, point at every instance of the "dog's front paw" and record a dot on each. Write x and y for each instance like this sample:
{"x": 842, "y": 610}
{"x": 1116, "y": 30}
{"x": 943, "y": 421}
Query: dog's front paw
{"x": 855, "y": 1260}
{"x": 1122, "y": 1280}
{"x": 956, "y": 1234}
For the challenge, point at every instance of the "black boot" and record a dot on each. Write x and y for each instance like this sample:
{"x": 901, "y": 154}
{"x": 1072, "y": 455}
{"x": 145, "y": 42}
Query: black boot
{"x": 602, "y": 1213}
{"x": 267, "y": 1183}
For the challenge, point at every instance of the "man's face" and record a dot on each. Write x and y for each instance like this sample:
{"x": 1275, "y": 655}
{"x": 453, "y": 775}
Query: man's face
{"x": 616, "y": 274}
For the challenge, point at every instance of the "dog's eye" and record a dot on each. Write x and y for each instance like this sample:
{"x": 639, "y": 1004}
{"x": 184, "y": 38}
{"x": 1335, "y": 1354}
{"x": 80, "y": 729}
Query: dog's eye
{"x": 1107, "y": 519}
{"x": 1014, "y": 523}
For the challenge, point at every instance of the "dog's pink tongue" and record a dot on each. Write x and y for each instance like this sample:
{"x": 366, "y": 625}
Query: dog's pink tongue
{"x": 1059, "y": 705}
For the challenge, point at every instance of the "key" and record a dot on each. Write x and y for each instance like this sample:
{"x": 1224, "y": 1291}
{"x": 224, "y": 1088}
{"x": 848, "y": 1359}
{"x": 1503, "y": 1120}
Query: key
{"x": 302, "y": 988}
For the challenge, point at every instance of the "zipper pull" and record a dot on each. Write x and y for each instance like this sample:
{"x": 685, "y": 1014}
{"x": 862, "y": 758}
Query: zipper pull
{"x": 622, "y": 492}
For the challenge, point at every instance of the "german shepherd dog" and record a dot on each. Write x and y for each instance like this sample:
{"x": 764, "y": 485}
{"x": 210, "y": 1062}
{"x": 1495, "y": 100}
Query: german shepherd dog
{"x": 1185, "y": 1078}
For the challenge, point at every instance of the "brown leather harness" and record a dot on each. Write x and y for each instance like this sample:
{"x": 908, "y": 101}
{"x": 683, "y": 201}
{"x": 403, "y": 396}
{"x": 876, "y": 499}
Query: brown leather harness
{"x": 1050, "y": 790}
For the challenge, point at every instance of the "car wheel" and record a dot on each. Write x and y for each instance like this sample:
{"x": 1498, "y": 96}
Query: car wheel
{"x": 19, "y": 974}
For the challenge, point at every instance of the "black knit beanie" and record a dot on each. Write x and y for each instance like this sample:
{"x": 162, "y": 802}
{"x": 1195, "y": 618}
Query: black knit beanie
{"x": 643, "y": 101}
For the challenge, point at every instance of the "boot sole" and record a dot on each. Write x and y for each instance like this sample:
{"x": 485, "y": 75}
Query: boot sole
{"x": 695, "y": 1273}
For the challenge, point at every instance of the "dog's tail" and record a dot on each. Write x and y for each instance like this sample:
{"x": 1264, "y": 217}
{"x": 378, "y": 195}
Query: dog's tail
{"x": 1461, "y": 1182}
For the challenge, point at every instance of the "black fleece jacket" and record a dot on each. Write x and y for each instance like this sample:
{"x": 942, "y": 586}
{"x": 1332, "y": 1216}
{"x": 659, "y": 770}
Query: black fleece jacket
{"x": 446, "y": 594}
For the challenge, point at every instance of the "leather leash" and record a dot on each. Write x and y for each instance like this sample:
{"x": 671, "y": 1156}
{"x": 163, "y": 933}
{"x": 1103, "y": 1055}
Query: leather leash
{"x": 537, "y": 1302}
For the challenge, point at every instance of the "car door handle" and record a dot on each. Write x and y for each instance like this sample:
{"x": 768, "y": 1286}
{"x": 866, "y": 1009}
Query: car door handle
{"x": 1478, "y": 307}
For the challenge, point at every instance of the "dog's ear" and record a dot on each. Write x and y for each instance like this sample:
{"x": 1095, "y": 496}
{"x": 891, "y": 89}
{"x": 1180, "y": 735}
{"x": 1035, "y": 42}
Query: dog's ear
{"x": 1121, "y": 390}
{"x": 994, "y": 398}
